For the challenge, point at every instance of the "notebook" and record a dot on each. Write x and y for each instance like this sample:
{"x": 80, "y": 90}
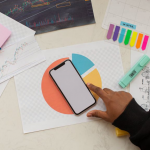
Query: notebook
{"x": 4, "y": 35}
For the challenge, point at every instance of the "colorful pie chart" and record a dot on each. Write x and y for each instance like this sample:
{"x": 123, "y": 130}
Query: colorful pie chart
{"x": 50, "y": 91}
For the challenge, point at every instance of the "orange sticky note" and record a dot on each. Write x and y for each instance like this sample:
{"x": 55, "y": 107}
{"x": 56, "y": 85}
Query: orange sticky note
{"x": 139, "y": 40}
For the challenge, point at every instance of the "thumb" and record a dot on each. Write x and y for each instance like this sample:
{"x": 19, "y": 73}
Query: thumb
{"x": 97, "y": 113}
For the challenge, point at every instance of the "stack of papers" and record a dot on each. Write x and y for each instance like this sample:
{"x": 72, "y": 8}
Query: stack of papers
{"x": 20, "y": 52}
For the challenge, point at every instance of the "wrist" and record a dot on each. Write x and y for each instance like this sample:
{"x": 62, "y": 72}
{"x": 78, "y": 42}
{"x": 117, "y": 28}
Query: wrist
{"x": 132, "y": 119}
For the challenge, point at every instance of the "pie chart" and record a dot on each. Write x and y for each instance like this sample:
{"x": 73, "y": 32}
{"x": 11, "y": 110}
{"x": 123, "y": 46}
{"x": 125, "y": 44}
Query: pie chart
{"x": 50, "y": 91}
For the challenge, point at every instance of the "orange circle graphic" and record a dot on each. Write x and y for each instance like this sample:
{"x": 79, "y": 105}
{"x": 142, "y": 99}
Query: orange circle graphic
{"x": 51, "y": 93}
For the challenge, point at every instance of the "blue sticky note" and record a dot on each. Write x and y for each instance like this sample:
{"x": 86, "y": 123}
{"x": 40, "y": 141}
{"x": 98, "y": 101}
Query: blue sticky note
{"x": 122, "y": 34}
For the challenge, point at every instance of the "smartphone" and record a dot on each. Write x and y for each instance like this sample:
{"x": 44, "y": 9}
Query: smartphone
{"x": 72, "y": 87}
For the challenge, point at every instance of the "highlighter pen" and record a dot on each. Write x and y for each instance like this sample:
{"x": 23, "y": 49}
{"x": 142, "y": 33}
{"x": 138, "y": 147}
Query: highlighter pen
{"x": 133, "y": 72}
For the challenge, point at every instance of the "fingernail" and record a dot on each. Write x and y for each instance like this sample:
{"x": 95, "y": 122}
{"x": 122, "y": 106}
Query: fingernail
{"x": 89, "y": 115}
{"x": 88, "y": 84}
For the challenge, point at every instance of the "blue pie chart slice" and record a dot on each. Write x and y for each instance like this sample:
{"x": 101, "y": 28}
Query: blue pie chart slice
{"x": 82, "y": 63}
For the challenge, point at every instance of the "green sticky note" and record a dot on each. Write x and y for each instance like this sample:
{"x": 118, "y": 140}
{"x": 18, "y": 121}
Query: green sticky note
{"x": 127, "y": 38}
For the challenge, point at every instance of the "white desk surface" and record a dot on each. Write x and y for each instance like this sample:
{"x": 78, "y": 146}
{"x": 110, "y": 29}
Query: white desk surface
{"x": 98, "y": 135}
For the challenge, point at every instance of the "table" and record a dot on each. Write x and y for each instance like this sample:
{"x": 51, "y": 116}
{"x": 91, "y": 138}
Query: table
{"x": 97, "y": 135}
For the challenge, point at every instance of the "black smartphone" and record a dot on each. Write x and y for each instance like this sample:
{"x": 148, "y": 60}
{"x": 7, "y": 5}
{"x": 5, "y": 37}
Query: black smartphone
{"x": 72, "y": 87}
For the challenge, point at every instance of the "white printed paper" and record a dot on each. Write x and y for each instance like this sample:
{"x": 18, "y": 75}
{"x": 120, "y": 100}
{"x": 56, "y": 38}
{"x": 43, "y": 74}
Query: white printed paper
{"x": 135, "y": 12}
{"x": 34, "y": 85}
{"x": 140, "y": 86}
{"x": 19, "y": 57}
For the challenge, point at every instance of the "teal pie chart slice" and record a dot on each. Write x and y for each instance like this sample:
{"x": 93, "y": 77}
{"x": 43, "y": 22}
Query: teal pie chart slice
{"x": 82, "y": 63}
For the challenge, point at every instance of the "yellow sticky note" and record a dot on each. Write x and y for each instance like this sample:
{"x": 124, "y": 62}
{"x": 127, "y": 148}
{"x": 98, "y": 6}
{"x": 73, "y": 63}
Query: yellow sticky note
{"x": 133, "y": 39}
{"x": 121, "y": 132}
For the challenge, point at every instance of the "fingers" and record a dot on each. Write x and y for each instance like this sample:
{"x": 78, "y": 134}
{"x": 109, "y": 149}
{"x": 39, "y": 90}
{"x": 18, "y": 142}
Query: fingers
{"x": 97, "y": 90}
{"x": 108, "y": 91}
{"x": 97, "y": 113}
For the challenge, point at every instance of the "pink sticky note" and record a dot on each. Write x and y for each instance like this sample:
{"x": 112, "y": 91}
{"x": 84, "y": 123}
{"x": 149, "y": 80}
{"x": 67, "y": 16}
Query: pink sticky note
{"x": 4, "y": 35}
{"x": 145, "y": 41}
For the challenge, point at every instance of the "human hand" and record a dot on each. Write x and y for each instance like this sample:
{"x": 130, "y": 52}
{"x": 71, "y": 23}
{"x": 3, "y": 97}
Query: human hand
{"x": 115, "y": 102}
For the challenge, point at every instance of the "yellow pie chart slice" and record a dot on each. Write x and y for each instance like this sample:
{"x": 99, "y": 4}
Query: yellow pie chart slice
{"x": 94, "y": 78}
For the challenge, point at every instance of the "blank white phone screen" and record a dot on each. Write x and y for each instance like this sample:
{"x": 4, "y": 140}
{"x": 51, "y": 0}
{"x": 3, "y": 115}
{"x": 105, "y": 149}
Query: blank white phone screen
{"x": 73, "y": 88}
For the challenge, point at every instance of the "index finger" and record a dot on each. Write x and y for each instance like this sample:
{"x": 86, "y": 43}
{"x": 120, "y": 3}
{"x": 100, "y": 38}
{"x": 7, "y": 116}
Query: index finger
{"x": 101, "y": 93}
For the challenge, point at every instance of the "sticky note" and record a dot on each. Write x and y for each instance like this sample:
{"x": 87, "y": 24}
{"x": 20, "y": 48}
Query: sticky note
{"x": 110, "y": 31}
{"x": 122, "y": 34}
{"x": 127, "y": 38}
{"x": 115, "y": 36}
{"x": 121, "y": 132}
{"x": 145, "y": 41}
{"x": 139, "y": 40}
{"x": 133, "y": 39}
{"x": 4, "y": 35}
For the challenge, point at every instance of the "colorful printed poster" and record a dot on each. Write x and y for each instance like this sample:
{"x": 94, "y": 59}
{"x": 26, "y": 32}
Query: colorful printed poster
{"x": 49, "y": 15}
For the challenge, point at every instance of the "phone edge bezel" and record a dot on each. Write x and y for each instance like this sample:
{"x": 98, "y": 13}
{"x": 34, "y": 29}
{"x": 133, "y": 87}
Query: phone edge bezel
{"x": 64, "y": 95}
